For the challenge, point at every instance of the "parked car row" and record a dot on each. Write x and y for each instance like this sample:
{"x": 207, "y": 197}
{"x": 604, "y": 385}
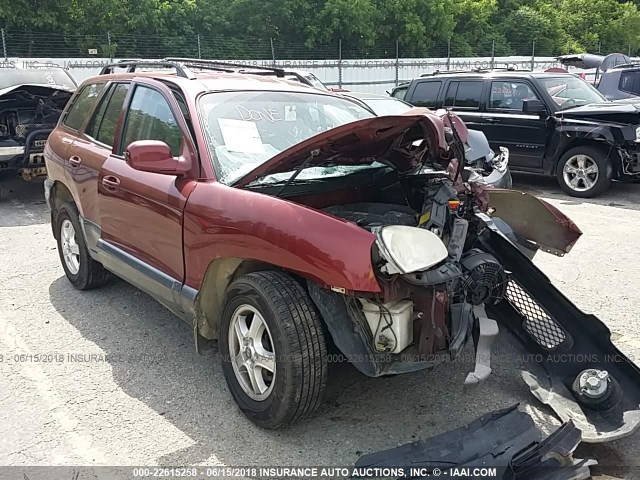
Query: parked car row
{"x": 552, "y": 123}
{"x": 271, "y": 216}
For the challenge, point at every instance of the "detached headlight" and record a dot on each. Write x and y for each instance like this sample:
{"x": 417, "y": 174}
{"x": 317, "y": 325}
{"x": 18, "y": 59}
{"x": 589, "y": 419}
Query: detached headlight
{"x": 409, "y": 249}
{"x": 638, "y": 133}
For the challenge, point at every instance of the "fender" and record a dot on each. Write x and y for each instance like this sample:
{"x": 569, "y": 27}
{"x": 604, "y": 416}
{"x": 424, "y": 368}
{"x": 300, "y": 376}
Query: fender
{"x": 569, "y": 130}
{"x": 222, "y": 222}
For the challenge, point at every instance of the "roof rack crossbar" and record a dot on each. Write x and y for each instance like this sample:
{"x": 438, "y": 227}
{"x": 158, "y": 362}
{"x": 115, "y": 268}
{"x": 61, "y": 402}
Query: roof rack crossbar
{"x": 131, "y": 66}
{"x": 234, "y": 67}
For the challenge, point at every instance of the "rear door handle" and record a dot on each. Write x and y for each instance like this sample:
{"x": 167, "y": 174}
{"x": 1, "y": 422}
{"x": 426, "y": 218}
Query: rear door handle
{"x": 75, "y": 161}
{"x": 111, "y": 183}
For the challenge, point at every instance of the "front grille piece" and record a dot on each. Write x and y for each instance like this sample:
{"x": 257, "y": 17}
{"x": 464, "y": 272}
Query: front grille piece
{"x": 538, "y": 323}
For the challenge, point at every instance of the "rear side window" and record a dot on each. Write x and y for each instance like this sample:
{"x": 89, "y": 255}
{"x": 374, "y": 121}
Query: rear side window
{"x": 464, "y": 94}
{"x": 83, "y": 105}
{"x": 630, "y": 82}
{"x": 151, "y": 118}
{"x": 426, "y": 94}
{"x": 103, "y": 125}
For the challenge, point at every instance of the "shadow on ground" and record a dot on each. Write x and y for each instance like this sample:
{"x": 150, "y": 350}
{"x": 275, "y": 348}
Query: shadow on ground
{"x": 22, "y": 203}
{"x": 360, "y": 414}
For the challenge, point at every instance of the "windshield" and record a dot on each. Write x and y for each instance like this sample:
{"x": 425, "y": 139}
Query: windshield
{"x": 11, "y": 77}
{"x": 387, "y": 106}
{"x": 245, "y": 129}
{"x": 569, "y": 91}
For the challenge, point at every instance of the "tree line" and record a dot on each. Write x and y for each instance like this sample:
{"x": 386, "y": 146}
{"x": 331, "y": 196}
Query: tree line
{"x": 420, "y": 27}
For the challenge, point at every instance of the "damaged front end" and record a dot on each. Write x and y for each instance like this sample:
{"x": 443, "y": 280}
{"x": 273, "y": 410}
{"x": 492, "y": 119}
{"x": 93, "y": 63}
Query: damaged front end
{"x": 28, "y": 114}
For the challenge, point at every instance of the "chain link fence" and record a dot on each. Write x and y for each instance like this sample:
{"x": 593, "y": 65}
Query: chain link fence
{"x": 338, "y": 63}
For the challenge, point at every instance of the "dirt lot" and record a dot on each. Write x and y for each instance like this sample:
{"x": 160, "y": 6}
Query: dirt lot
{"x": 126, "y": 387}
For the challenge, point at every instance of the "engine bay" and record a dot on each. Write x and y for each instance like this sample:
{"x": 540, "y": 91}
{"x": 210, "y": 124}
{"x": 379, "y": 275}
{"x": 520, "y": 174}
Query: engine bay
{"x": 28, "y": 114}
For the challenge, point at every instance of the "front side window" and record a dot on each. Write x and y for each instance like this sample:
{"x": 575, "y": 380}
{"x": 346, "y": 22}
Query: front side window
{"x": 150, "y": 118}
{"x": 509, "y": 95}
{"x": 103, "y": 125}
{"x": 82, "y": 105}
{"x": 464, "y": 94}
{"x": 245, "y": 129}
{"x": 569, "y": 91}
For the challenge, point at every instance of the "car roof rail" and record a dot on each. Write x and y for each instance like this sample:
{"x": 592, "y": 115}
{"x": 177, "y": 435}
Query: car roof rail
{"x": 132, "y": 65}
{"x": 475, "y": 70}
{"x": 626, "y": 65}
{"x": 227, "y": 66}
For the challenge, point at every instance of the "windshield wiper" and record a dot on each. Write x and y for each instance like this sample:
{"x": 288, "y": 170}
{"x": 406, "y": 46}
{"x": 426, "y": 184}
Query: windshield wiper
{"x": 303, "y": 165}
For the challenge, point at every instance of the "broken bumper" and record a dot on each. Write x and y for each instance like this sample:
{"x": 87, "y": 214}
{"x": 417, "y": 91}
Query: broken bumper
{"x": 565, "y": 346}
{"x": 504, "y": 444}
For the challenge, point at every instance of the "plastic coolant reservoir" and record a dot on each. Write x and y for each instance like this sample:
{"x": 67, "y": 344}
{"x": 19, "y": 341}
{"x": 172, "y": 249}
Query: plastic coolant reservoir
{"x": 401, "y": 320}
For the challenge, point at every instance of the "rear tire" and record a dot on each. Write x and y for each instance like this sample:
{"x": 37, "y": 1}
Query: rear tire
{"x": 288, "y": 340}
{"x": 584, "y": 171}
{"x": 83, "y": 272}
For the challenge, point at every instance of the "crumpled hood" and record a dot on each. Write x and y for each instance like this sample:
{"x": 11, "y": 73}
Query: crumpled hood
{"x": 361, "y": 142}
{"x": 609, "y": 112}
{"x": 52, "y": 87}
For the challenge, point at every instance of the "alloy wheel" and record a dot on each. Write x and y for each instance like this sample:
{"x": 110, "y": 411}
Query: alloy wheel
{"x": 581, "y": 173}
{"x": 70, "y": 249}
{"x": 252, "y": 352}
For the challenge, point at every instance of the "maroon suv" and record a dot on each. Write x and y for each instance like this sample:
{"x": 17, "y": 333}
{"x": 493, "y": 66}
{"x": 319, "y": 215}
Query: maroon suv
{"x": 270, "y": 216}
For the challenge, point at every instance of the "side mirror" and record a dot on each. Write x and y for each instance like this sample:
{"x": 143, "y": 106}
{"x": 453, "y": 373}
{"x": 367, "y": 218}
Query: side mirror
{"x": 534, "y": 106}
{"x": 155, "y": 157}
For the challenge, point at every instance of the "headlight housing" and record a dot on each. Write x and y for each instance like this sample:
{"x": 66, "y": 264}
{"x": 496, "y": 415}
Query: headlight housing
{"x": 409, "y": 249}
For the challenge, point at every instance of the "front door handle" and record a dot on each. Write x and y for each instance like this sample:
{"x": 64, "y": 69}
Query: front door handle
{"x": 75, "y": 161}
{"x": 490, "y": 119}
{"x": 111, "y": 183}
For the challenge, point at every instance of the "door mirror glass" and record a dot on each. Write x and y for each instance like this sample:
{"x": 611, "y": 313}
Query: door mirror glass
{"x": 155, "y": 156}
{"x": 533, "y": 106}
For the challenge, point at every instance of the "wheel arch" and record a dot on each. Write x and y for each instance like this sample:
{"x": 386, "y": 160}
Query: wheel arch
{"x": 60, "y": 194}
{"x": 220, "y": 273}
{"x": 595, "y": 138}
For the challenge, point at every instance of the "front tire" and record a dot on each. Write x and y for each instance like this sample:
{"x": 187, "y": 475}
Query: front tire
{"x": 82, "y": 271}
{"x": 273, "y": 350}
{"x": 584, "y": 171}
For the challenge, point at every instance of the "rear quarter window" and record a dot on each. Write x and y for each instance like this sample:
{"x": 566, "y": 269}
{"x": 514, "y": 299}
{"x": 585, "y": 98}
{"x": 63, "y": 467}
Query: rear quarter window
{"x": 426, "y": 94}
{"x": 630, "y": 82}
{"x": 82, "y": 105}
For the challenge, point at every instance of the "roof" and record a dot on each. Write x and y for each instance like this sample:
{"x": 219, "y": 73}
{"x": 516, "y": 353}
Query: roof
{"x": 211, "y": 81}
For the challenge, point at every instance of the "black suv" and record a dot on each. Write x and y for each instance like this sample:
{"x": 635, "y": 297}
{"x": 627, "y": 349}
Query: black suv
{"x": 552, "y": 123}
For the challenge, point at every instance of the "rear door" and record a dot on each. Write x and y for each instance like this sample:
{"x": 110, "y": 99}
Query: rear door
{"x": 141, "y": 212}
{"x": 506, "y": 124}
{"x": 92, "y": 148}
{"x": 67, "y": 136}
{"x": 465, "y": 97}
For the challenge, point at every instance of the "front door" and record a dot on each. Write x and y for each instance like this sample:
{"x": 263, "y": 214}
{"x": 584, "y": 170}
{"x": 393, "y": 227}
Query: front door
{"x": 141, "y": 212}
{"x": 505, "y": 124}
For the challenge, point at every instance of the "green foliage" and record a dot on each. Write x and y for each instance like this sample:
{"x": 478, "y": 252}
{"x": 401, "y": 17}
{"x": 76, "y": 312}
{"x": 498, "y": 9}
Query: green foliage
{"x": 305, "y": 28}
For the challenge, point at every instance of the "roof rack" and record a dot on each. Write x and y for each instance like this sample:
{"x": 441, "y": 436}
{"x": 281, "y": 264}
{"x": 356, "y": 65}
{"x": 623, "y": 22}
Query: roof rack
{"x": 226, "y": 66}
{"x": 475, "y": 70}
{"x": 627, "y": 65}
{"x": 132, "y": 65}
{"x": 183, "y": 65}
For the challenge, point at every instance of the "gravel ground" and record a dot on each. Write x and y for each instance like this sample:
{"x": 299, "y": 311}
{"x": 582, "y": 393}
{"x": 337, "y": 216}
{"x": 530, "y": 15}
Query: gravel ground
{"x": 154, "y": 401}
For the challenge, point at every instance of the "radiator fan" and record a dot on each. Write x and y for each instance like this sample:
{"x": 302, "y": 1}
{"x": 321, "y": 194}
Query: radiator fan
{"x": 484, "y": 280}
